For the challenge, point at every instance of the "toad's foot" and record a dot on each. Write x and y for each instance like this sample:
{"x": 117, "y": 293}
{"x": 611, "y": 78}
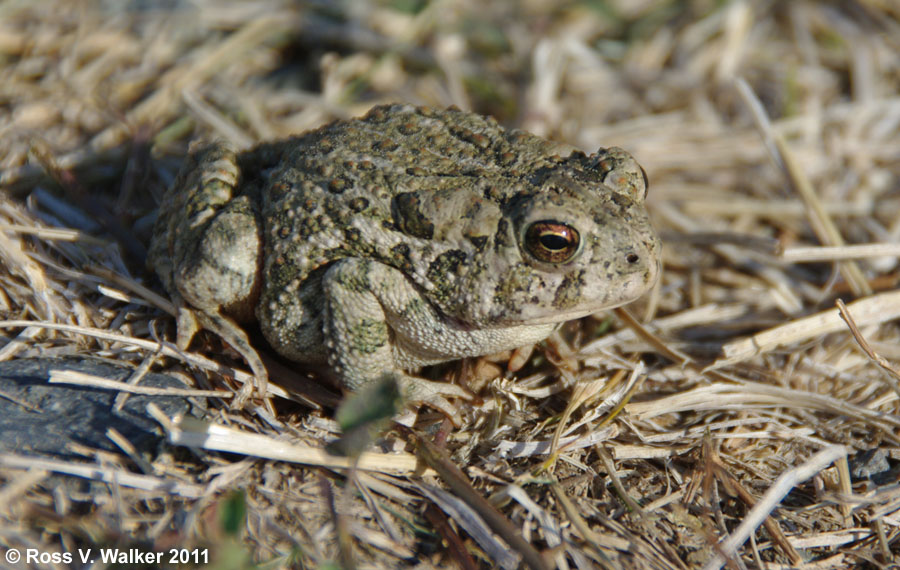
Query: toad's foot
{"x": 417, "y": 391}
{"x": 190, "y": 321}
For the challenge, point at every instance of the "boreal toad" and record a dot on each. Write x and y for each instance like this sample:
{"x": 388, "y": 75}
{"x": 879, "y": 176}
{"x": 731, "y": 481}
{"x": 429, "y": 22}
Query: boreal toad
{"x": 407, "y": 237}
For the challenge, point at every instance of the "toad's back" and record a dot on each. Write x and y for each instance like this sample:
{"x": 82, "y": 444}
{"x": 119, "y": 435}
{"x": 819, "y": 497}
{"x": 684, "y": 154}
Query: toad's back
{"x": 370, "y": 186}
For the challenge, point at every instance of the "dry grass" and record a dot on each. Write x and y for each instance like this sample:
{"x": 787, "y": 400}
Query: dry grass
{"x": 721, "y": 427}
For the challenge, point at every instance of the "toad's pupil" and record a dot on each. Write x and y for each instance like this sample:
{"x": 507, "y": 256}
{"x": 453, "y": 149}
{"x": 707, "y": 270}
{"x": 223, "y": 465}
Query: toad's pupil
{"x": 555, "y": 241}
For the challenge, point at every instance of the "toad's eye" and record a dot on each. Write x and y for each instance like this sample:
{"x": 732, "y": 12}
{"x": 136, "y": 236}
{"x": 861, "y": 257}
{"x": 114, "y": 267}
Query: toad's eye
{"x": 646, "y": 182}
{"x": 552, "y": 242}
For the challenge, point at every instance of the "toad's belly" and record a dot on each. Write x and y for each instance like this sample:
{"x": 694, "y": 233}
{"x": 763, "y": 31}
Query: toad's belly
{"x": 451, "y": 342}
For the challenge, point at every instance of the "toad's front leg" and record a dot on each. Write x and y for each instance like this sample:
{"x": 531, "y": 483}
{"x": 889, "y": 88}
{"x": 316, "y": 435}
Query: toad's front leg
{"x": 370, "y": 311}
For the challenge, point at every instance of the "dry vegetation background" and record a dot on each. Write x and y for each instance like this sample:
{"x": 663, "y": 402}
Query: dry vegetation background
{"x": 771, "y": 134}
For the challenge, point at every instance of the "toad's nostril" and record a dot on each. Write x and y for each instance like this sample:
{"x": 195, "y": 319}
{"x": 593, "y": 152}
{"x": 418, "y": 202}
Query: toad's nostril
{"x": 632, "y": 258}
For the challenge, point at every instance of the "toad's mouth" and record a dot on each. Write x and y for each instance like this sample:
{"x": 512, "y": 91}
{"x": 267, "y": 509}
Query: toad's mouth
{"x": 562, "y": 316}
{"x": 544, "y": 315}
